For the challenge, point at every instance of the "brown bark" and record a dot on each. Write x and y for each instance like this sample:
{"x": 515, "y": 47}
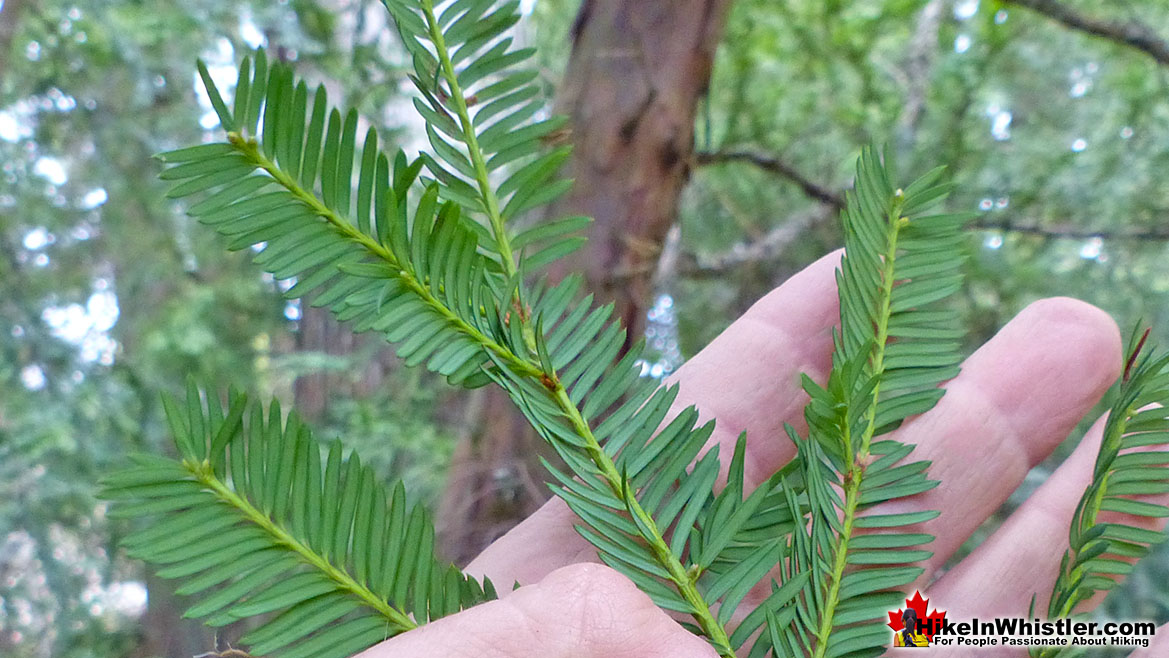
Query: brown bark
{"x": 164, "y": 632}
{"x": 632, "y": 86}
{"x": 637, "y": 71}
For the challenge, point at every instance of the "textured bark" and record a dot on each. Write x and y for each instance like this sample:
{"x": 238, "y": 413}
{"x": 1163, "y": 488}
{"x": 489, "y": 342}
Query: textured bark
{"x": 632, "y": 86}
{"x": 637, "y": 71}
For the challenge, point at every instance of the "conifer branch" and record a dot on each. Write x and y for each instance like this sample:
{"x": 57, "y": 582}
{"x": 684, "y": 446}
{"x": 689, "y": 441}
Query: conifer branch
{"x": 252, "y": 152}
{"x": 1125, "y": 476}
{"x": 549, "y": 379}
{"x": 898, "y": 261}
{"x": 203, "y": 473}
{"x": 620, "y": 487}
{"x": 251, "y": 519}
{"x": 855, "y": 464}
{"x": 462, "y": 298}
{"x": 486, "y": 190}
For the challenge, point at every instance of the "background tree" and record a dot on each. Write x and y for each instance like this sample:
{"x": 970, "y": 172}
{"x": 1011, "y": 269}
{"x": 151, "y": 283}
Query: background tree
{"x": 631, "y": 88}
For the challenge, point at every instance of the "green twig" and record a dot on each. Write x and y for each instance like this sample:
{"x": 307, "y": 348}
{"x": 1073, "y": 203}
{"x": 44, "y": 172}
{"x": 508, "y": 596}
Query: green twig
{"x": 856, "y": 465}
{"x": 206, "y": 476}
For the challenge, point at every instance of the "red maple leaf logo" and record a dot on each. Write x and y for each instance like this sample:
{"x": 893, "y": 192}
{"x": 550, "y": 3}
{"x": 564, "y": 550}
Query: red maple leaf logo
{"x": 930, "y": 622}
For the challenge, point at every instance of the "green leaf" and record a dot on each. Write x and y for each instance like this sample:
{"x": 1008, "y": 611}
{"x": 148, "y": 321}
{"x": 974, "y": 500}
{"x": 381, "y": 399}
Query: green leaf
{"x": 244, "y": 562}
{"x": 225, "y": 117}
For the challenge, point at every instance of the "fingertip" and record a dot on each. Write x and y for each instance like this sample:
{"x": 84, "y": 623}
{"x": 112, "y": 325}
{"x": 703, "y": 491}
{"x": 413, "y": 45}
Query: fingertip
{"x": 748, "y": 378}
{"x": 1089, "y": 327}
{"x": 582, "y": 610}
{"x": 807, "y": 302}
{"x": 1049, "y": 364}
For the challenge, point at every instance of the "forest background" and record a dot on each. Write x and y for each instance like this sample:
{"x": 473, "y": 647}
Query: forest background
{"x": 714, "y": 140}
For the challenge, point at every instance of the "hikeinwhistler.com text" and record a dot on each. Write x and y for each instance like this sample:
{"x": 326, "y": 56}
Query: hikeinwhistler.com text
{"x": 1019, "y": 632}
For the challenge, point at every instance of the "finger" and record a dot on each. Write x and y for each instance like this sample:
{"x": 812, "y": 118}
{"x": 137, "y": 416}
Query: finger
{"x": 748, "y": 378}
{"x": 1022, "y": 557}
{"x": 1015, "y": 400}
{"x": 583, "y": 611}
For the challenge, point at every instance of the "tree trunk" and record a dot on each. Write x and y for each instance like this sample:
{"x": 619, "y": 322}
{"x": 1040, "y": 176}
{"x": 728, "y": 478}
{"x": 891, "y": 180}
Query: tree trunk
{"x": 637, "y": 71}
{"x": 494, "y": 479}
{"x": 632, "y": 86}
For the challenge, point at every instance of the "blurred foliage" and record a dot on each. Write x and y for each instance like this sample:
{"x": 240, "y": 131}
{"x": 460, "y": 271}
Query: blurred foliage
{"x": 108, "y": 295}
{"x": 1039, "y": 125}
{"x": 396, "y": 432}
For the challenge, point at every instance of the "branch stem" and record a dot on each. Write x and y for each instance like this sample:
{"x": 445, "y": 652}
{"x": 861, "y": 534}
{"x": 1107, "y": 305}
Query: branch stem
{"x": 857, "y": 463}
{"x": 682, "y": 580}
{"x": 206, "y": 476}
{"x": 250, "y": 149}
{"x": 486, "y": 191}
{"x": 550, "y": 380}
{"x": 1132, "y": 34}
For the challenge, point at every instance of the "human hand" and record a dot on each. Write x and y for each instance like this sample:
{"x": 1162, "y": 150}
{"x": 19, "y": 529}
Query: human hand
{"x": 1016, "y": 399}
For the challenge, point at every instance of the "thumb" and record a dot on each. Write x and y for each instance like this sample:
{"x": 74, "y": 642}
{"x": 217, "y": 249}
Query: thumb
{"x": 582, "y": 611}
